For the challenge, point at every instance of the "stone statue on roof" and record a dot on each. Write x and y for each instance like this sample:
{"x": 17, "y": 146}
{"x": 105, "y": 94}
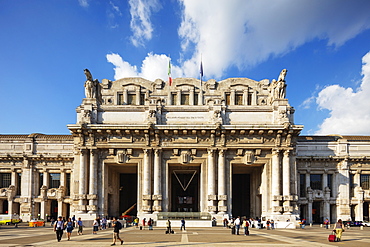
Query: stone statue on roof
{"x": 92, "y": 87}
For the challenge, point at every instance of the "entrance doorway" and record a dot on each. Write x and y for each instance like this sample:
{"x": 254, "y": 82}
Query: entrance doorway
{"x": 54, "y": 209}
{"x": 316, "y": 212}
{"x": 128, "y": 194}
{"x": 366, "y": 211}
{"x": 185, "y": 191}
{"x": 241, "y": 195}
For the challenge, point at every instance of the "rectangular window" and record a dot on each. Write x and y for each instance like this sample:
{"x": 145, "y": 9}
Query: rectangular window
{"x": 131, "y": 99}
{"x": 142, "y": 99}
{"x": 227, "y": 98}
{"x": 196, "y": 98}
{"x": 19, "y": 184}
{"x": 302, "y": 185}
{"x": 54, "y": 180}
{"x": 238, "y": 99}
{"x": 120, "y": 99}
{"x": 364, "y": 181}
{"x": 316, "y": 181}
{"x": 68, "y": 184}
{"x": 174, "y": 98}
{"x": 184, "y": 99}
{"x": 249, "y": 99}
{"x": 41, "y": 181}
{"x": 330, "y": 184}
{"x": 5, "y": 180}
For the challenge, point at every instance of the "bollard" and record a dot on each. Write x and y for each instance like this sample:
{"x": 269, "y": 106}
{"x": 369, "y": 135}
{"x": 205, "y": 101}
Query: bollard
{"x": 310, "y": 224}
{"x": 321, "y": 225}
{"x": 361, "y": 227}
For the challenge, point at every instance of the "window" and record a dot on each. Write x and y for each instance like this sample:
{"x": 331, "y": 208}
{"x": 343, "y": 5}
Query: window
{"x": 316, "y": 181}
{"x": 364, "y": 181}
{"x": 19, "y": 184}
{"x": 54, "y": 180}
{"x": 238, "y": 99}
{"x": 131, "y": 99}
{"x": 184, "y": 99}
{"x": 120, "y": 99}
{"x": 227, "y": 98}
{"x": 302, "y": 185}
{"x": 174, "y": 98}
{"x": 68, "y": 184}
{"x": 196, "y": 98}
{"x": 249, "y": 99}
{"x": 5, "y": 180}
{"x": 142, "y": 98}
{"x": 330, "y": 184}
{"x": 41, "y": 181}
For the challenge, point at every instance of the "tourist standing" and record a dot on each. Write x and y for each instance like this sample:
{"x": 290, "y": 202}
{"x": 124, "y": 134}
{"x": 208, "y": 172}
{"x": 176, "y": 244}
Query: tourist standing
{"x": 80, "y": 226}
{"x": 95, "y": 226}
{"x": 144, "y": 222}
{"x": 268, "y": 224}
{"x": 272, "y": 224}
{"x": 237, "y": 225}
{"x": 303, "y": 223}
{"x": 327, "y": 223}
{"x": 59, "y": 227}
{"x": 246, "y": 227}
{"x": 104, "y": 223}
{"x": 339, "y": 229}
{"x": 182, "y": 224}
{"x": 150, "y": 224}
{"x": 69, "y": 227}
{"x": 116, "y": 227}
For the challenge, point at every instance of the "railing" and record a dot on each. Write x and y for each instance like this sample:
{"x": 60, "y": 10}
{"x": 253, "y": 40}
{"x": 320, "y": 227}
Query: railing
{"x": 185, "y": 215}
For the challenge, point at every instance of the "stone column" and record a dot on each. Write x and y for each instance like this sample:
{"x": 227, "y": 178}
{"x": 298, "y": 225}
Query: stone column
{"x": 82, "y": 182}
{"x": 157, "y": 189}
{"x": 275, "y": 181}
{"x": 245, "y": 97}
{"x": 309, "y": 212}
{"x": 93, "y": 181}
{"x": 178, "y": 98}
{"x": 191, "y": 97}
{"x": 146, "y": 182}
{"x": 286, "y": 183}
{"x": 222, "y": 197}
{"x": 211, "y": 181}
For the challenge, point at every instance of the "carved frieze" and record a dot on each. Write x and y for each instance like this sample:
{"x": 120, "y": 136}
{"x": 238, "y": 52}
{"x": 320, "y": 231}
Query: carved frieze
{"x": 212, "y": 197}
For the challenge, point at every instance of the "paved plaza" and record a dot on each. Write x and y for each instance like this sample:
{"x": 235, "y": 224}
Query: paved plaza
{"x": 216, "y": 236}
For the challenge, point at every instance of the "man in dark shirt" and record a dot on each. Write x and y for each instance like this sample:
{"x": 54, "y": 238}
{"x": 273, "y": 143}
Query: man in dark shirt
{"x": 116, "y": 227}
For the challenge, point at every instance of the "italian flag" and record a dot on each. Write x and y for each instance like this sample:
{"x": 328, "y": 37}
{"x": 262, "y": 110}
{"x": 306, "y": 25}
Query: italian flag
{"x": 169, "y": 73}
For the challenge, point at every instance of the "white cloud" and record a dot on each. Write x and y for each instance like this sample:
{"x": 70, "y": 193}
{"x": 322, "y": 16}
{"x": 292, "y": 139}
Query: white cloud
{"x": 84, "y": 3}
{"x": 349, "y": 109}
{"x": 245, "y": 33}
{"x": 153, "y": 67}
{"x": 141, "y": 25}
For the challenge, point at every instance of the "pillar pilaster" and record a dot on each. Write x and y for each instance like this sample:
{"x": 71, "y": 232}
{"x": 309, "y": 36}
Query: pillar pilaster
{"x": 211, "y": 181}
{"x": 222, "y": 197}
{"x": 157, "y": 189}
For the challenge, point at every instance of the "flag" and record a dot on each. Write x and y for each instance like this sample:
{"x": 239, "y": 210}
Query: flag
{"x": 201, "y": 69}
{"x": 169, "y": 73}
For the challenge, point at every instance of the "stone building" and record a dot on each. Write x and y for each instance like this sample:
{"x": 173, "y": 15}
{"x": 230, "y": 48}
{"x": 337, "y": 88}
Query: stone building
{"x": 200, "y": 149}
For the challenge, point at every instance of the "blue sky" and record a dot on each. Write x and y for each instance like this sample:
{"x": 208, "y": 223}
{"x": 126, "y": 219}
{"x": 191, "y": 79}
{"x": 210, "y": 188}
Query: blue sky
{"x": 46, "y": 45}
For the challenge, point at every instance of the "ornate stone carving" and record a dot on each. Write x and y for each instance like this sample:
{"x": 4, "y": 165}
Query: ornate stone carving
{"x": 212, "y": 208}
{"x": 277, "y": 197}
{"x": 147, "y": 197}
{"x": 212, "y": 197}
{"x": 91, "y": 208}
{"x": 157, "y": 197}
{"x": 222, "y": 208}
{"x": 157, "y": 208}
{"x": 222, "y": 197}
{"x": 92, "y": 197}
{"x": 277, "y": 208}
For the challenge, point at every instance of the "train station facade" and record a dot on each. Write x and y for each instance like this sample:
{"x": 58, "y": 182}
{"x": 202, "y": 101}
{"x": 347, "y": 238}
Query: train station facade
{"x": 222, "y": 148}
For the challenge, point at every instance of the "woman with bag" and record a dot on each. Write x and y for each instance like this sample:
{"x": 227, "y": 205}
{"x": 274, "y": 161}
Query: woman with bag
{"x": 339, "y": 229}
{"x": 69, "y": 227}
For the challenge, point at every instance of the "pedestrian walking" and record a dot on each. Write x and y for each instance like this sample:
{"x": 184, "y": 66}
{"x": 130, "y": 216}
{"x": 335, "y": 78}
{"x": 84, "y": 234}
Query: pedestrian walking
{"x": 339, "y": 229}
{"x": 95, "y": 226}
{"x": 104, "y": 223}
{"x": 268, "y": 224}
{"x": 303, "y": 223}
{"x": 80, "y": 226}
{"x": 69, "y": 227}
{"x": 116, "y": 227}
{"x": 272, "y": 224}
{"x": 237, "y": 225}
{"x": 168, "y": 224}
{"x": 59, "y": 227}
{"x": 182, "y": 224}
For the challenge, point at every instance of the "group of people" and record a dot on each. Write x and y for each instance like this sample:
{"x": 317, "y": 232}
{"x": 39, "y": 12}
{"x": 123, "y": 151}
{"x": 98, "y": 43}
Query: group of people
{"x": 236, "y": 224}
{"x": 68, "y": 225}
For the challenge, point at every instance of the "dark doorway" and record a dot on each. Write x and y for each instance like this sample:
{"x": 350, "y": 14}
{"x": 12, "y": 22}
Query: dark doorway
{"x": 54, "y": 209}
{"x": 184, "y": 192}
{"x": 316, "y": 212}
{"x": 128, "y": 194}
{"x": 5, "y": 207}
{"x": 366, "y": 211}
{"x": 241, "y": 195}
